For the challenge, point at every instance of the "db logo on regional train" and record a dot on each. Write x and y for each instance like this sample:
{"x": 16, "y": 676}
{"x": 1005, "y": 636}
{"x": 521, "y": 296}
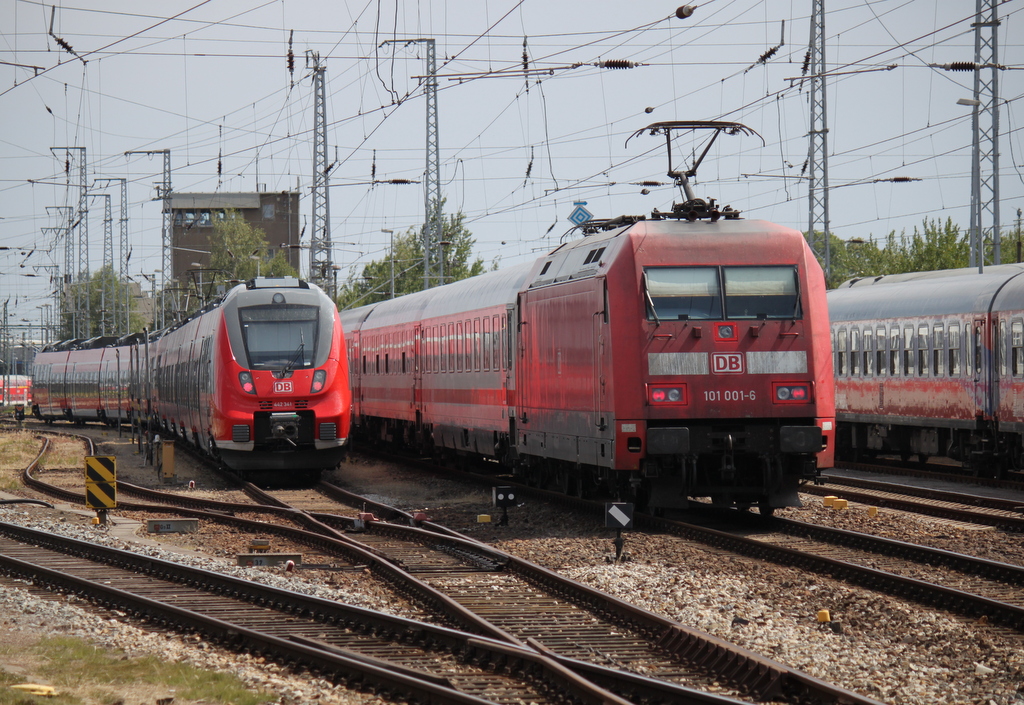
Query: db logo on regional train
{"x": 283, "y": 386}
{"x": 727, "y": 363}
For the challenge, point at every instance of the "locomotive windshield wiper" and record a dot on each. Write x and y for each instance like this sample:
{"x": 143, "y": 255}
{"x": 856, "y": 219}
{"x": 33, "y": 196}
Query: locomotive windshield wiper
{"x": 650, "y": 302}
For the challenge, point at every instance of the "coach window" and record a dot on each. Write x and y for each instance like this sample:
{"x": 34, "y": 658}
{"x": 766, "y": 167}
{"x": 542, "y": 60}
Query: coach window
{"x": 869, "y": 352}
{"x": 953, "y": 349}
{"x": 459, "y": 346}
{"x": 894, "y": 351}
{"x": 1001, "y": 348}
{"x": 477, "y": 352}
{"x": 841, "y": 351}
{"x": 880, "y": 351}
{"x": 922, "y": 349}
{"x": 938, "y": 359}
{"x": 682, "y": 293}
{"x": 855, "y": 351}
{"x": 908, "y": 351}
{"x": 1017, "y": 343}
{"x": 487, "y": 342}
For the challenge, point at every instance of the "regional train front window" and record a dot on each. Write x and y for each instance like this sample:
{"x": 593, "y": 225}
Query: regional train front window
{"x": 279, "y": 337}
{"x": 683, "y": 293}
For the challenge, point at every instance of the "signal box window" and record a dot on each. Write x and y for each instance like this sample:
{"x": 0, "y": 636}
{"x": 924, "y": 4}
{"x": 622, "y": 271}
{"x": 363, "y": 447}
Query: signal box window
{"x": 280, "y": 336}
{"x": 683, "y": 293}
{"x": 761, "y": 292}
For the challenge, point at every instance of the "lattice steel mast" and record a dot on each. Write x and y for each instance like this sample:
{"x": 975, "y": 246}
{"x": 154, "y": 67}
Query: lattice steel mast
{"x": 817, "y": 151}
{"x": 985, "y": 132}
{"x": 163, "y": 192}
{"x": 320, "y": 249}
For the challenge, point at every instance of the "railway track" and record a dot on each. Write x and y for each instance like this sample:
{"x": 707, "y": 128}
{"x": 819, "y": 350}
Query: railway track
{"x": 1004, "y": 514}
{"x": 506, "y": 598}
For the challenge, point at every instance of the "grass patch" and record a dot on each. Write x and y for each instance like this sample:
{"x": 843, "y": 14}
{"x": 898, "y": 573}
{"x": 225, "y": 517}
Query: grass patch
{"x": 83, "y": 673}
{"x": 17, "y": 449}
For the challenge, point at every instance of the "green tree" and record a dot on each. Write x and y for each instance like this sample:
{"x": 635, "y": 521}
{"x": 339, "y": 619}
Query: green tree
{"x": 936, "y": 245}
{"x": 239, "y": 251}
{"x": 372, "y": 282}
{"x": 106, "y": 301}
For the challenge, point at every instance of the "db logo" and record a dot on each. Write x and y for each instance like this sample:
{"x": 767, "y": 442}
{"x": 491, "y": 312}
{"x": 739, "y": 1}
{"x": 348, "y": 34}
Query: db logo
{"x": 283, "y": 386}
{"x": 727, "y": 363}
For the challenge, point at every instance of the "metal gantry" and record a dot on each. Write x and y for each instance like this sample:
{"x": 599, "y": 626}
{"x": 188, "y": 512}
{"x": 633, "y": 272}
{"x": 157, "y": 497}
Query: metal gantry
{"x": 817, "y": 151}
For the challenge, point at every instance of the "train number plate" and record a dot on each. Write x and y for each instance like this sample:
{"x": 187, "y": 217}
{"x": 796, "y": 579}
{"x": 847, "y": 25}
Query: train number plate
{"x": 283, "y": 386}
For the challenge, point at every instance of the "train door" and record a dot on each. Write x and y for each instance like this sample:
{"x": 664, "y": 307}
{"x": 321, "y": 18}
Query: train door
{"x": 601, "y": 419}
{"x": 417, "y": 372}
{"x": 507, "y": 345}
{"x": 982, "y": 348}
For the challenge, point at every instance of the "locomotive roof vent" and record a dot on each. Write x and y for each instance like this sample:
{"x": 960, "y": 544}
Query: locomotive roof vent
{"x": 276, "y": 283}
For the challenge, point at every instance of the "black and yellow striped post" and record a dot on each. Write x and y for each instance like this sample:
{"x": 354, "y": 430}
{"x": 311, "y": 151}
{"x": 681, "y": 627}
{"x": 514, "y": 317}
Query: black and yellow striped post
{"x": 101, "y": 483}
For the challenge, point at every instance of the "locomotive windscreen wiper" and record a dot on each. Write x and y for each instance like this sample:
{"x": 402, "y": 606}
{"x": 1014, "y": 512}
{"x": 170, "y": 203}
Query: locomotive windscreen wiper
{"x": 650, "y": 302}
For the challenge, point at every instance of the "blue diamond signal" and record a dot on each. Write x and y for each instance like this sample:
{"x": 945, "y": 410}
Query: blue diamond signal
{"x": 580, "y": 215}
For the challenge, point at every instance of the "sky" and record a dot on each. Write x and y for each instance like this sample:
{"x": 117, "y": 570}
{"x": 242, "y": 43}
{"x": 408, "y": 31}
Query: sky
{"x": 209, "y": 80}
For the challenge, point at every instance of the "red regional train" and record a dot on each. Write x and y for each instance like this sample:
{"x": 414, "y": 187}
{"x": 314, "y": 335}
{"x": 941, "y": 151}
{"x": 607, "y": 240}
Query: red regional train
{"x": 686, "y": 355}
{"x": 932, "y": 364}
{"x": 258, "y": 378}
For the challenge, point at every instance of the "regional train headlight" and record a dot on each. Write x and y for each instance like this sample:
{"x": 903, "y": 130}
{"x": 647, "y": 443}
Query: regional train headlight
{"x": 245, "y": 379}
{"x": 662, "y": 395}
{"x": 319, "y": 381}
{"x": 792, "y": 393}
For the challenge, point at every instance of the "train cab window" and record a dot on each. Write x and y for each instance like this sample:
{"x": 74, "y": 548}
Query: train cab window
{"x": 869, "y": 352}
{"x": 1017, "y": 345}
{"x": 922, "y": 349}
{"x": 278, "y": 336}
{"x": 841, "y": 351}
{"x": 855, "y": 351}
{"x": 938, "y": 343}
{"x": 761, "y": 292}
{"x": 953, "y": 349}
{"x": 908, "y": 351}
{"x": 682, "y": 293}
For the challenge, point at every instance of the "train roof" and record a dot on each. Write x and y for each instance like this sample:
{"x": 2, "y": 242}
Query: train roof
{"x": 935, "y": 293}
{"x": 489, "y": 289}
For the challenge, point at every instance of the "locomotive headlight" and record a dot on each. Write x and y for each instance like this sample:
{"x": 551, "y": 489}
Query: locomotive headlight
{"x": 319, "y": 380}
{"x": 666, "y": 394}
{"x": 792, "y": 393}
{"x": 245, "y": 379}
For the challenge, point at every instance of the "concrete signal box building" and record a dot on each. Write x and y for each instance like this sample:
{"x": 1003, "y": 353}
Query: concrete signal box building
{"x": 194, "y": 214}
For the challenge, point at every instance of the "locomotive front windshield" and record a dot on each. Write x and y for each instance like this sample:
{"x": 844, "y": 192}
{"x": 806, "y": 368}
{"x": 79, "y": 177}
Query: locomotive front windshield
{"x": 280, "y": 336}
{"x": 701, "y": 293}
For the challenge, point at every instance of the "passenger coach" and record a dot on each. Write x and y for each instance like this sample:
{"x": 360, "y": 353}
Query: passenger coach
{"x": 931, "y": 364}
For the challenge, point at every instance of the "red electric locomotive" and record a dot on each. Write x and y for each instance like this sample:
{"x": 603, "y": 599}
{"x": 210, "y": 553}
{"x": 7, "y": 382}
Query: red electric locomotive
{"x": 932, "y": 364}
{"x": 662, "y": 359}
{"x": 258, "y": 378}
